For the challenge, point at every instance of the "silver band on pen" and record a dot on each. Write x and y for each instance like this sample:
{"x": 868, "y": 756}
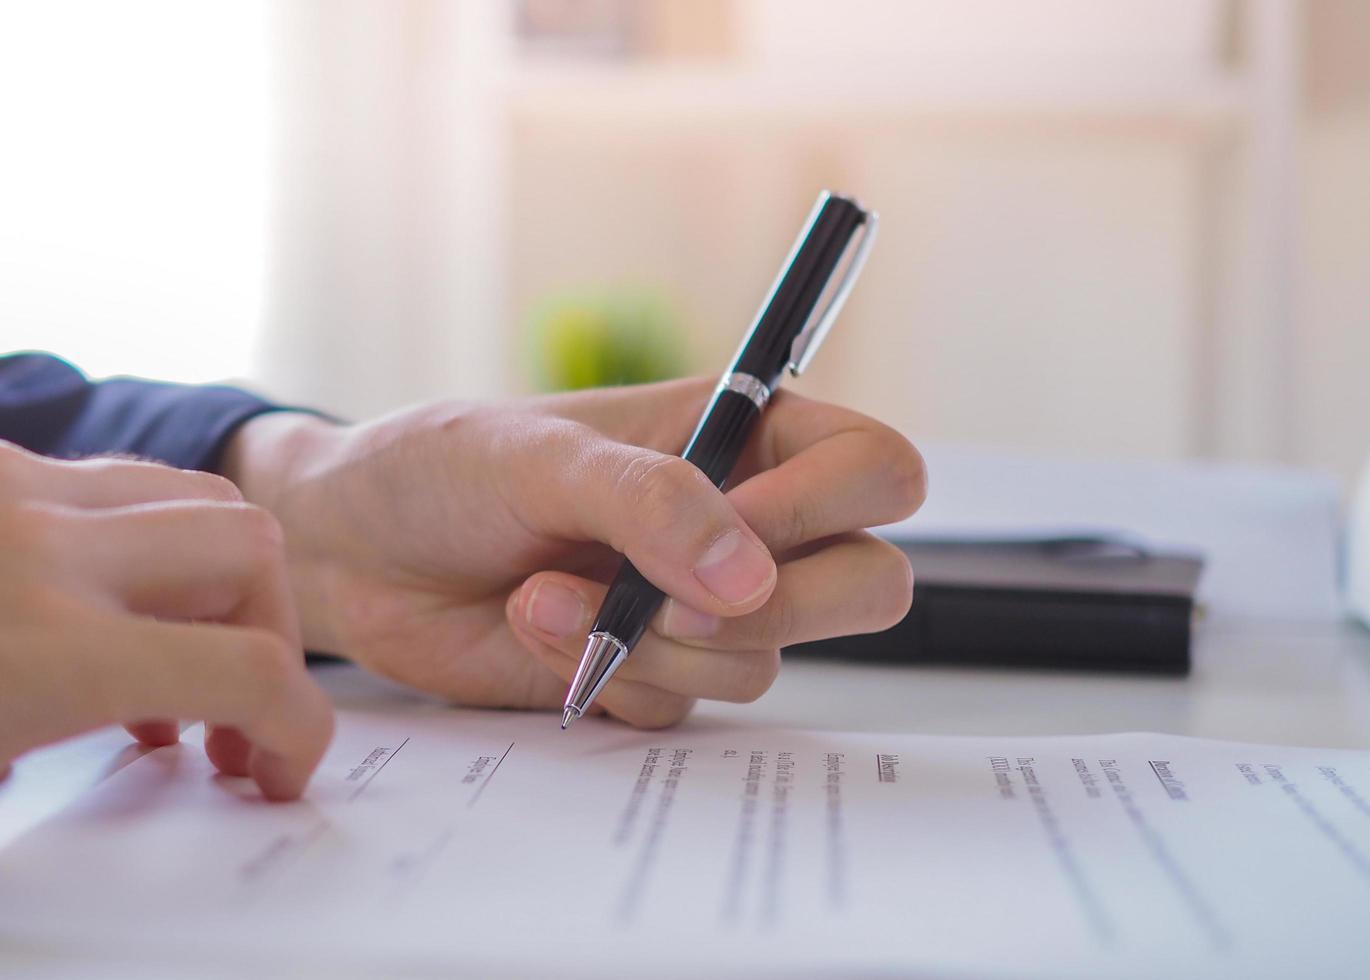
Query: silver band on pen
{"x": 747, "y": 385}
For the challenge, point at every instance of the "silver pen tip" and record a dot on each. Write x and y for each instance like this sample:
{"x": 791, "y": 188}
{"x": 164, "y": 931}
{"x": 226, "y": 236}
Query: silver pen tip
{"x": 568, "y": 716}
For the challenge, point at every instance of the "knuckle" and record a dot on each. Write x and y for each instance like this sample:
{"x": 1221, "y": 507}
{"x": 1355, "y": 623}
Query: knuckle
{"x": 102, "y": 467}
{"x": 801, "y": 522}
{"x": 113, "y": 471}
{"x": 159, "y": 479}
{"x": 211, "y": 486}
{"x": 259, "y": 532}
{"x": 662, "y": 487}
{"x": 760, "y": 669}
{"x": 779, "y": 620}
{"x": 269, "y": 660}
{"x": 905, "y": 472}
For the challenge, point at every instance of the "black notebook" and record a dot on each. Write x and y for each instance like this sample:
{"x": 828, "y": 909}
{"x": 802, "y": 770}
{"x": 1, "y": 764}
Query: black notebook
{"x": 1073, "y": 603}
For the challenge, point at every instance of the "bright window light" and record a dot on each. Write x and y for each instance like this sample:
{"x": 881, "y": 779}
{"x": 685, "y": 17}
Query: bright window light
{"x": 133, "y": 183}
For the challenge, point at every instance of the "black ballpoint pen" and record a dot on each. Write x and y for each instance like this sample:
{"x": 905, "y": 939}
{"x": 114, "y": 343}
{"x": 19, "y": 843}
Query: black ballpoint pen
{"x": 784, "y": 335}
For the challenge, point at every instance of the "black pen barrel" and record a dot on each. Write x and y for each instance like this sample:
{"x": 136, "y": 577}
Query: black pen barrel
{"x": 629, "y": 606}
{"x": 632, "y": 601}
{"x": 722, "y": 435}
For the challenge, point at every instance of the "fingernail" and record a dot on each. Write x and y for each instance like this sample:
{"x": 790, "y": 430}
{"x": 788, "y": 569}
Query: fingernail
{"x": 555, "y": 610}
{"x": 684, "y": 623}
{"x": 735, "y": 568}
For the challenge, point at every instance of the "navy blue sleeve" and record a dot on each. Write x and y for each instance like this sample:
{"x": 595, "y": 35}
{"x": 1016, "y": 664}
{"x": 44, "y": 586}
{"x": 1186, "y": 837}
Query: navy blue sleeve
{"x": 50, "y": 407}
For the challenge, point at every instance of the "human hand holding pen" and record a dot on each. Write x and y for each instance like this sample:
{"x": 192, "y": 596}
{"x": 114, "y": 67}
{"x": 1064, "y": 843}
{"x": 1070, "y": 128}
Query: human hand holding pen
{"x": 463, "y": 549}
{"x": 832, "y": 577}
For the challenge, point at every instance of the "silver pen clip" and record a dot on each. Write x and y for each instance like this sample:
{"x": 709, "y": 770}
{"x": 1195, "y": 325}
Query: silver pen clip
{"x": 809, "y": 339}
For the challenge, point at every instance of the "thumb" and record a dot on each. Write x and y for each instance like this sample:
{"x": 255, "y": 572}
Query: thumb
{"x": 676, "y": 527}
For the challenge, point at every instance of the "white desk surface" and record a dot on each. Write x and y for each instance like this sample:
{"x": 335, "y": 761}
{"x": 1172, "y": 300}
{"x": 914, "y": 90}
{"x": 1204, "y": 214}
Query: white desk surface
{"x": 1275, "y": 683}
{"x": 1278, "y": 683}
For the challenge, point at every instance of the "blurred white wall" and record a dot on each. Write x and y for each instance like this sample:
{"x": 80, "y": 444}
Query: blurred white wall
{"x": 1332, "y": 364}
{"x": 388, "y": 216}
{"x": 1135, "y": 228}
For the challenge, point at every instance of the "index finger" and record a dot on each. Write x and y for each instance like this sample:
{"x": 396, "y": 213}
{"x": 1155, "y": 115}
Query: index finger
{"x": 810, "y": 470}
{"x": 814, "y": 470}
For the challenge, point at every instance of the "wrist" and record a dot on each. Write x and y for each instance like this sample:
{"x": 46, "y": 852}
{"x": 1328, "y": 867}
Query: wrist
{"x": 272, "y": 459}
{"x": 273, "y": 451}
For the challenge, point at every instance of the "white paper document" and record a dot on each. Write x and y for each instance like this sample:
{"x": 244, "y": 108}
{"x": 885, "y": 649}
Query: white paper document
{"x": 494, "y": 844}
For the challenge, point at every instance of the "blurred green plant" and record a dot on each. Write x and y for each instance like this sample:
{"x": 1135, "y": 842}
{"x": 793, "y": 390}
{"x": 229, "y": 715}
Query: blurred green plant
{"x": 612, "y": 338}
